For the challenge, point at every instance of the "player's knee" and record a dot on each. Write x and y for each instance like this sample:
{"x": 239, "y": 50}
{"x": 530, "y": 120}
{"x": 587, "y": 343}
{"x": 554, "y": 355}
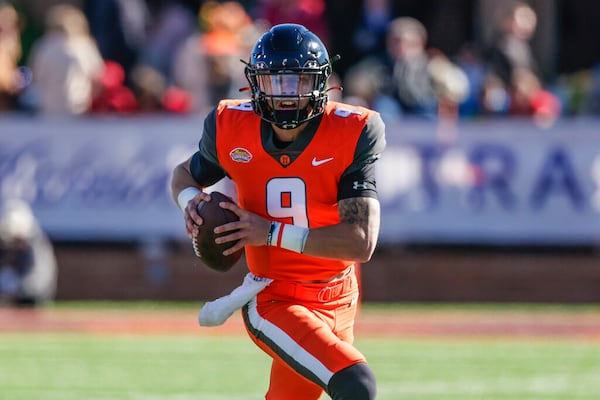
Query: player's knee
{"x": 356, "y": 382}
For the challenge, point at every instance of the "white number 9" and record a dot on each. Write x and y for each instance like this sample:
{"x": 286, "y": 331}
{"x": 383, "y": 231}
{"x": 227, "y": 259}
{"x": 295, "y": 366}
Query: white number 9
{"x": 286, "y": 198}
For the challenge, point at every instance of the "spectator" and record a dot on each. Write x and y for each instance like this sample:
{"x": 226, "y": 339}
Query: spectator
{"x": 357, "y": 29}
{"x": 370, "y": 32}
{"x": 495, "y": 100}
{"x": 408, "y": 58}
{"x": 149, "y": 85}
{"x": 113, "y": 96}
{"x": 28, "y": 269}
{"x": 576, "y": 91}
{"x": 469, "y": 60}
{"x": 511, "y": 48}
{"x": 450, "y": 83}
{"x": 365, "y": 85}
{"x": 417, "y": 80}
{"x": 10, "y": 53}
{"x": 174, "y": 22}
{"x": 208, "y": 64}
{"x": 511, "y": 59}
{"x": 66, "y": 63}
{"x": 528, "y": 97}
{"x": 120, "y": 40}
{"x": 579, "y": 92}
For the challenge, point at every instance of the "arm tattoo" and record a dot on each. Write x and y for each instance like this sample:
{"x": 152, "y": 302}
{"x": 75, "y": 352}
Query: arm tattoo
{"x": 362, "y": 213}
{"x": 355, "y": 210}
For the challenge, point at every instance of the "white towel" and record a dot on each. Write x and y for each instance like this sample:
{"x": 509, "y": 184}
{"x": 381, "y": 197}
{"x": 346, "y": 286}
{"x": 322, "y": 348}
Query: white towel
{"x": 216, "y": 312}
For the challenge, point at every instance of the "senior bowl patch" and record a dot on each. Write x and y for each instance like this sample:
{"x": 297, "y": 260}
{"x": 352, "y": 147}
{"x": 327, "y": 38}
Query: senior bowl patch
{"x": 239, "y": 154}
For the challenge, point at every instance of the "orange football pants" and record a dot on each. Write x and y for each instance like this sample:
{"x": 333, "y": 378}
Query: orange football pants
{"x": 308, "y": 331}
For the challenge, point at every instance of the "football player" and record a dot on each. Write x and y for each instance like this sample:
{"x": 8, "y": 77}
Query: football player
{"x": 308, "y": 212}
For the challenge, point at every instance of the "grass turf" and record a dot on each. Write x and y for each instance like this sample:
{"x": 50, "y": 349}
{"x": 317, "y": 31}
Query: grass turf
{"x": 132, "y": 367}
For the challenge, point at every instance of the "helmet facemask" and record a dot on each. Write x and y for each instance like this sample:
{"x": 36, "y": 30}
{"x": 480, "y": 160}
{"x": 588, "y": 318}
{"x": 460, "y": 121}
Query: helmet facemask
{"x": 287, "y": 98}
{"x": 288, "y": 73}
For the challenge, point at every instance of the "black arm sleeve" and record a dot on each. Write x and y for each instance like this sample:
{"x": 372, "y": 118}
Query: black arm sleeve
{"x": 359, "y": 179}
{"x": 204, "y": 165}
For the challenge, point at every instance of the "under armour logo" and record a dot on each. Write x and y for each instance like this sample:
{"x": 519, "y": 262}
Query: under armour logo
{"x": 359, "y": 185}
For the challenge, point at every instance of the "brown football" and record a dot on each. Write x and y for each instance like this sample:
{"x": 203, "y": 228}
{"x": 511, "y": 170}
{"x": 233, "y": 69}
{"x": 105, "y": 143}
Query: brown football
{"x": 204, "y": 244}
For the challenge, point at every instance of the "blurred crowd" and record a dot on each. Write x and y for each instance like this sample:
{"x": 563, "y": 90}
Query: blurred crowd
{"x": 147, "y": 56}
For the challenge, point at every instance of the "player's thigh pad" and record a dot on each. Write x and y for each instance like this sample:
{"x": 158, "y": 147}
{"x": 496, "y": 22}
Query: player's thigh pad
{"x": 300, "y": 337}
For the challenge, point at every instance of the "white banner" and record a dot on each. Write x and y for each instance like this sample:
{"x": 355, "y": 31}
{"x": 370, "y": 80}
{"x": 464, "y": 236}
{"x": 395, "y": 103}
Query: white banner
{"x": 498, "y": 182}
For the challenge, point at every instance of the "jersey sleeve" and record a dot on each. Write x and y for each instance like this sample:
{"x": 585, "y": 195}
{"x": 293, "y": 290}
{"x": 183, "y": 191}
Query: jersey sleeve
{"x": 204, "y": 165}
{"x": 359, "y": 178}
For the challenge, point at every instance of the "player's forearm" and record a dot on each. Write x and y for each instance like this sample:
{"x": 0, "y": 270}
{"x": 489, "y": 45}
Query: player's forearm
{"x": 354, "y": 239}
{"x": 341, "y": 241}
{"x": 181, "y": 179}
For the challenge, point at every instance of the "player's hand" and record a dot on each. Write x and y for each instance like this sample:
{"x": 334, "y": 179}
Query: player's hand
{"x": 193, "y": 220}
{"x": 251, "y": 229}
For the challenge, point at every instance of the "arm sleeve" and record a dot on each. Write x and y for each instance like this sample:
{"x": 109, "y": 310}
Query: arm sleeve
{"x": 204, "y": 165}
{"x": 359, "y": 178}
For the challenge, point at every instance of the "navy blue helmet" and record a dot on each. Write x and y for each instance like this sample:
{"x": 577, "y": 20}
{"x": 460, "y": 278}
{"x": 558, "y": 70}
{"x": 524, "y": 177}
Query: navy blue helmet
{"x": 288, "y": 72}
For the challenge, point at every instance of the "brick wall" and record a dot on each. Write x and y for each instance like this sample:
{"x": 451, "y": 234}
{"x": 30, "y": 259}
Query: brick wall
{"x": 128, "y": 272}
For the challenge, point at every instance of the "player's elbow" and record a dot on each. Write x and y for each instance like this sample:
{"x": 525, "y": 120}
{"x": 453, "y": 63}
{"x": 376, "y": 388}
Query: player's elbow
{"x": 364, "y": 247}
{"x": 360, "y": 255}
{"x": 366, "y": 253}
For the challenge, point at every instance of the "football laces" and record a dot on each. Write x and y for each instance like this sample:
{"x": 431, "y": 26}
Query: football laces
{"x": 195, "y": 247}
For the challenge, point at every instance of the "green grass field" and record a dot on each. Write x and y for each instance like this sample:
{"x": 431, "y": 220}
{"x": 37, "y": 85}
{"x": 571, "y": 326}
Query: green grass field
{"x": 95, "y": 366}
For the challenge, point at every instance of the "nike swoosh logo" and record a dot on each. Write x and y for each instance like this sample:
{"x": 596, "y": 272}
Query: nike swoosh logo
{"x": 316, "y": 163}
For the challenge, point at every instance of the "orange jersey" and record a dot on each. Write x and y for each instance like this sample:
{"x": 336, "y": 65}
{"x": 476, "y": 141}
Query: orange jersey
{"x": 300, "y": 190}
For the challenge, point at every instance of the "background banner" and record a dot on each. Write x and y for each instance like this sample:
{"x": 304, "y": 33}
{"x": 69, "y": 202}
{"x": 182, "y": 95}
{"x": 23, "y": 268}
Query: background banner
{"x": 482, "y": 182}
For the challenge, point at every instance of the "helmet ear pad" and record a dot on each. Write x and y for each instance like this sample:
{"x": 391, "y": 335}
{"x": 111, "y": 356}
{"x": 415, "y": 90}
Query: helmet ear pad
{"x": 289, "y": 49}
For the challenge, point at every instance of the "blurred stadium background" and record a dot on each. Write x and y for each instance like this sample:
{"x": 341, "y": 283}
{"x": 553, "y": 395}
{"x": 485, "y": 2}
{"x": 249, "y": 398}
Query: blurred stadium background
{"x": 490, "y": 195}
{"x": 479, "y": 204}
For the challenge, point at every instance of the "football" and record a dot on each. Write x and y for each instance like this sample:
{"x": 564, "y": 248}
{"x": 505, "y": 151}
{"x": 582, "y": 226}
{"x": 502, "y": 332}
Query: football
{"x": 204, "y": 244}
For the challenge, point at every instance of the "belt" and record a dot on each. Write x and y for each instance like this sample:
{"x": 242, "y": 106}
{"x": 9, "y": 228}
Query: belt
{"x": 341, "y": 275}
{"x": 315, "y": 291}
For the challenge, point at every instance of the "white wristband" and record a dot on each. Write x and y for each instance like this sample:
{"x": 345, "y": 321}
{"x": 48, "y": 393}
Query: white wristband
{"x": 186, "y": 195}
{"x": 286, "y": 236}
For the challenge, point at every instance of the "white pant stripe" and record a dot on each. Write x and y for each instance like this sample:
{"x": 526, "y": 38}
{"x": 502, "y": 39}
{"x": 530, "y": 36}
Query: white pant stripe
{"x": 286, "y": 344}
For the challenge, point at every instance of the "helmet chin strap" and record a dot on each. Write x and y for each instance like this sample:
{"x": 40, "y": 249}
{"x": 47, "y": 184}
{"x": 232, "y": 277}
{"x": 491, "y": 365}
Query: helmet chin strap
{"x": 291, "y": 119}
{"x": 287, "y": 126}
{"x": 288, "y": 118}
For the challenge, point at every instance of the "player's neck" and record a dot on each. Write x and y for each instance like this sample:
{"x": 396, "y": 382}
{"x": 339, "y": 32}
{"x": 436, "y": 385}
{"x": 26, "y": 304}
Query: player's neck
{"x": 288, "y": 135}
